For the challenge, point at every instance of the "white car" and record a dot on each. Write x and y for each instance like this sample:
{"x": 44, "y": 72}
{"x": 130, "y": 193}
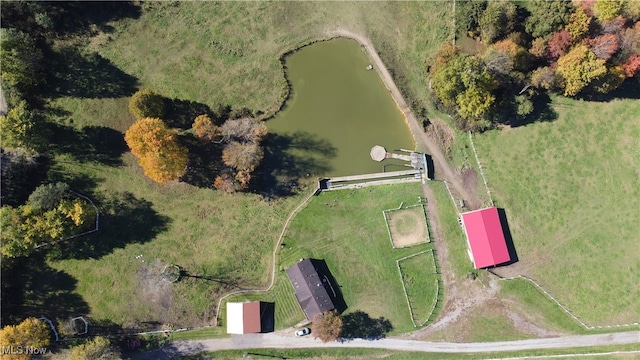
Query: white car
{"x": 303, "y": 332}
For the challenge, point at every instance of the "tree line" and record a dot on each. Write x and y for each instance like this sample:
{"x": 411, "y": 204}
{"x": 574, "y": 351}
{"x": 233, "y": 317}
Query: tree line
{"x": 578, "y": 48}
{"x": 232, "y": 138}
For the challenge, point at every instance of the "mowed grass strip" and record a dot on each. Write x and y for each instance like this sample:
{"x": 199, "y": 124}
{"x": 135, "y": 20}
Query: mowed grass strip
{"x": 421, "y": 283}
{"x": 570, "y": 190}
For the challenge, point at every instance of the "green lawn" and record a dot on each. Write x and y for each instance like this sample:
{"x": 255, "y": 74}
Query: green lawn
{"x": 570, "y": 190}
{"x": 422, "y": 284}
{"x": 346, "y": 228}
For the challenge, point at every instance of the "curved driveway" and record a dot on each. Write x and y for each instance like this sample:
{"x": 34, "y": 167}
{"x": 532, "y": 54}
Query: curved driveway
{"x": 276, "y": 340}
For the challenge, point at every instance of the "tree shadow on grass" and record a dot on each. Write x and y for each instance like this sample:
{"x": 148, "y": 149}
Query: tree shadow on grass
{"x": 360, "y": 325}
{"x": 181, "y": 113}
{"x": 289, "y": 157}
{"x": 205, "y": 161}
{"x": 124, "y": 219}
{"x": 91, "y": 143}
{"x": 542, "y": 112}
{"x": 77, "y": 73}
{"x": 31, "y": 288}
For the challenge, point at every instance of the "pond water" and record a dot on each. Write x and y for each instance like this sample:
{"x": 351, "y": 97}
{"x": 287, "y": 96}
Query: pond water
{"x": 337, "y": 111}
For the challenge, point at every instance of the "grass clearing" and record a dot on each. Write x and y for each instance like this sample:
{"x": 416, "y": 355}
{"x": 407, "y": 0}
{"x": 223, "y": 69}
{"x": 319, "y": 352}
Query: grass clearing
{"x": 422, "y": 284}
{"x": 569, "y": 190}
{"x": 346, "y": 230}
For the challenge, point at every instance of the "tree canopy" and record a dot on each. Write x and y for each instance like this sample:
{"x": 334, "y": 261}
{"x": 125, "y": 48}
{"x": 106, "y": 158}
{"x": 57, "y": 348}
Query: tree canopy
{"x": 578, "y": 68}
{"x": 547, "y": 17}
{"x": 20, "y": 129}
{"x": 98, "y": 348}
{"x": 146, "y": 104}
{"x": 31, "y": 331}
{"x": 20, "y": 58}
{"x": 327, "y": 326}
{"x": 157, "y": 149}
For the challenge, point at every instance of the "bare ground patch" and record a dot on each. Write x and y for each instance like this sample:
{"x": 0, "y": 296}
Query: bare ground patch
{"x": 407, "y": 226}
{"x": 441, "y": 133}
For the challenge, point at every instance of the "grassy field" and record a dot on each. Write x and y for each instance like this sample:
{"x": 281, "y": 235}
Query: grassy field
{"x": 227, "y": 52}
{"x": 346, "y": 228}
{"x": 422, "y": 285}
{"x": 174, "y": 224}
{"x": 205, "y": 53}
{"x": 570, "y": 192}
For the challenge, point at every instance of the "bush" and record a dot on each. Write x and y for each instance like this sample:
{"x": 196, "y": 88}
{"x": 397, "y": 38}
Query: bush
{"x": 145, "y": 103}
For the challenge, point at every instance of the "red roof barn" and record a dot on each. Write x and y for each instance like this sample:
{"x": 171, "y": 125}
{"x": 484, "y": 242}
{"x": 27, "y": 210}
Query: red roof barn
{"x": 485, "y": 237}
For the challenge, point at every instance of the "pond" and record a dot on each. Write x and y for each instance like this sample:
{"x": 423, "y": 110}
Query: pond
{"x": 337, "y": 111}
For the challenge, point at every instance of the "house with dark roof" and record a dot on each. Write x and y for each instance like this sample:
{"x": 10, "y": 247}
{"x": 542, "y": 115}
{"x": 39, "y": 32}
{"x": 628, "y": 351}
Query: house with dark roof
{"x": 485, "y": 237}
{"x": 313, "y": 288}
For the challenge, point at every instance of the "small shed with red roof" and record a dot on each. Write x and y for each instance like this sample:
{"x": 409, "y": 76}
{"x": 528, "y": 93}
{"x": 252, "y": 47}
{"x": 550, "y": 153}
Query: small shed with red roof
{"x": 485, "y": 238}
{"x": 244, "y": 318}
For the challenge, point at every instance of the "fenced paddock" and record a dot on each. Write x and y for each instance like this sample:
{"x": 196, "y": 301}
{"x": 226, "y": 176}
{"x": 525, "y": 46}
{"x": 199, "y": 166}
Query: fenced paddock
{"x": 407, "y": 226}
{"x": 421, "y": 285}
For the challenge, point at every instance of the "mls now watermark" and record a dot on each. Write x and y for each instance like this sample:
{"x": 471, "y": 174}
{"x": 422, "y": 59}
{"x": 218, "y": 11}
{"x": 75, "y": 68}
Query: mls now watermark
{"x": 23, "y": 350}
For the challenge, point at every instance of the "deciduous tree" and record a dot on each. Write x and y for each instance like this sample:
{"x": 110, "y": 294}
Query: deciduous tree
{"x": 604, "y": 46}
{"x": 99, "y": 348}
{"x": 606, "y": 10}
{"x": 166, "y": 164}
{"x": 614, "y": 77}
{"x": 578, "y": 68}
{"x": 157, "y": 149}
{"x": 468, "y": 13}
{"x": 631, "y": 66}
{"x": 547, "y": 17}
{"x": 30, "y": 332}
{"x": 20, "y": 58}
{"x": 146, "y": 104}
{"x": 497, "y": 20}
{"x": 545, "y": 78}
{"x": 327, "y": 326}
{"x": 579, "y": 24}
{"x": 559, "y": 43}
{"x": 474, "y": 103}
{"x": 244, "y": 130}
{"x": 20, "y": 129}
{"x": 242, "y": 156}
{"x": 204, "y": 128}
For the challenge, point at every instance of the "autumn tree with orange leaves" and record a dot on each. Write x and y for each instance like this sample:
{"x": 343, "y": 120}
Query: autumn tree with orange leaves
{"x": 157, "y": 149}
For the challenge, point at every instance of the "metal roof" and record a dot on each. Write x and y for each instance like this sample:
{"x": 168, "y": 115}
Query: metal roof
{"x": 485, "y": 237}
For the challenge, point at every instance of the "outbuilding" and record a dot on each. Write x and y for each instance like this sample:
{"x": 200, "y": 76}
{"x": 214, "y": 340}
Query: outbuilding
{"x": 485, "y": 237}
{"x": 243, "y": 318}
